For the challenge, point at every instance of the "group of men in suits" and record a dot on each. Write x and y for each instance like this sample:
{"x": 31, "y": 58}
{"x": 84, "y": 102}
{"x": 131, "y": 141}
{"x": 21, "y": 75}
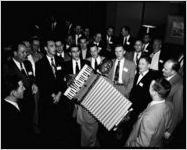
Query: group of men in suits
{"x": 134, "y": 68}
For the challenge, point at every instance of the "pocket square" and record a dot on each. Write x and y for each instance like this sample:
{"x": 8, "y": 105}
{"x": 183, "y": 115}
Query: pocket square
{"x": 59, "y": 68}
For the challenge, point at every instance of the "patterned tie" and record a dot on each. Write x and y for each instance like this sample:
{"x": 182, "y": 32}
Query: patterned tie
{"x": 22, "y": 70}
{"x": 53, "y": 67}
{"x": 77, "y": 68}
{"x": 117, "y": 72}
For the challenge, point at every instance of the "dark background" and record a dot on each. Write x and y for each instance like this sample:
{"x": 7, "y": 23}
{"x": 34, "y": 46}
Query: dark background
{"x": 18, "y": 18}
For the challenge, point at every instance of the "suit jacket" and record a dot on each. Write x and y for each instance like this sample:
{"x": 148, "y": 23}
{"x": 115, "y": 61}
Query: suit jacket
{"x": 128, "y": 75}
{"x": 149, "y": 49}
{"x": 87, "y": 53}
{"x": 69, "y": 69}
{"x": 151, "y": 125}
{"x": 176, "y": 97}
{"x": 14, "y": 129}
{"x": 90, "y": 60}
{"x": 139, "y": 94}
{"x": 128, "y": 45}
{"x": 130, "y": 55}
{"x": 66, "y": 57}
{"x": 10, "y": 69}
{"x": 162, "y": 58}
{"x": 46, "y": 80}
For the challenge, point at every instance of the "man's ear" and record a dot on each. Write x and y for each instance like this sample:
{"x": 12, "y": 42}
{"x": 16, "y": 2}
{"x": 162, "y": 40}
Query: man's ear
{"x": 15, "y": 53}
{"x": 13, "y": 93}
{"x": 45, "y": 48}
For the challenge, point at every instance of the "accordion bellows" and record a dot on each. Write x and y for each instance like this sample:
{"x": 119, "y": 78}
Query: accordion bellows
{"x": 99, "y": 97}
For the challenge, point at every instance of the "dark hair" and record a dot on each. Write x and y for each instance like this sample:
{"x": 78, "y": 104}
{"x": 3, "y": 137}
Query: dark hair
{"x": 16, "y": 45}
{"x": 10, "y": 84}
{"x": 73, "y": 45}
{"x": 175, "y": 65}
{"x": 127, "y": 28}
{"x": 162, "y": 87}
{"x": 147, "y": 59}
{"x": 82, "y": 37}
{"x": 47, "y": 40}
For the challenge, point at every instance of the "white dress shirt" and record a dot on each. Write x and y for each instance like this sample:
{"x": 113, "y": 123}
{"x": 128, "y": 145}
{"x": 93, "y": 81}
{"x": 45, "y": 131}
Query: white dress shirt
{"x": 141, "y": 75}
{"x": 98, "y": 59}
{"x": 13, "y": 103}
{"x": 120, "y": 70}
{"x": 30, "y": 58}
{"x": 135, "y": 55}
{"x": 84, "y": 52}
{"x": 156, "y": 102}
{"x": 61, "y": 54}
{"x": 18, "y": 65}
{"x": 155, "y": 61}
{"x": 74, "y": 65}
{"x": 49, "y": 59}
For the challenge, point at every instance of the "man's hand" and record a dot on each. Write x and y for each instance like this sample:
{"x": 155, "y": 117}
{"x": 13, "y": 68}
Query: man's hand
{"x": 167, "y": 135}
{"x": 56, "y": 98}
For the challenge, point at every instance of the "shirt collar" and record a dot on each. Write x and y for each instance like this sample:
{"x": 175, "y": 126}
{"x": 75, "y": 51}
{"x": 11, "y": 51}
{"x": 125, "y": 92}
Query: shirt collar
{"x": 144, "y": 73}
{"x": 13, "y": 103}
{"x": 18, "y": 63}
{"x": 169, "y": 78}
{"x": 157, "y": 102}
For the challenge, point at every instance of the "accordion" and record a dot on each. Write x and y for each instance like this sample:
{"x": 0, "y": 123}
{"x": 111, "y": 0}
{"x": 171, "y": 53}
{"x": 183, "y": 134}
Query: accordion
{"x": 99, "y": 97}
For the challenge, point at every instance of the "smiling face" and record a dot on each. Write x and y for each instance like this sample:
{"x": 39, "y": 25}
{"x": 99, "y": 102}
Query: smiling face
{"x": 143, "y": 65}
{"x": 119, "y": 52}
{"x": 138, "y": 46}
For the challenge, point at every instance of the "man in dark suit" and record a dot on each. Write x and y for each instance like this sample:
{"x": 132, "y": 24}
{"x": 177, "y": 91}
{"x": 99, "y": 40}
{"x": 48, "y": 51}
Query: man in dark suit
{"x": 84, "y": 48}
{"x": 109, "y": 43}
{"x": 84, "y": 119}
{"x": 20, "y": 67}
{"x": 50, "y": 79}
{"x": 78, "y": 34}
{"x": 99, "y": 43}
{"x": 139, "y": 95}
{"x": 60, "y": 51}
{"x": 126, "y": 39}
{"x": 76, "y": 63}
{"x": 14, "y": 128}
{"x": 158, "y": 57}
{"x": 147, "y": 44}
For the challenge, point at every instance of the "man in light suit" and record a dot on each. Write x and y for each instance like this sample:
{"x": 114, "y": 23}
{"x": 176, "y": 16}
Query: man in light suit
{"x": 170, "y": 70}
{"x": 155, "y": 120}
{"x": 123, "y": 72}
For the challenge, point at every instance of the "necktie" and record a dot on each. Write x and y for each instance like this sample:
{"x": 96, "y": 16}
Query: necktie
{"x": 124, "y": 40}
{"x": 53, "y": 66}
{"x": 22, "y": 70}
{"x": 77, "y": 68}
{"x": 95, "y": 64}
{"x": 137, "y": 58}
{"x": 117, "y": 72}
